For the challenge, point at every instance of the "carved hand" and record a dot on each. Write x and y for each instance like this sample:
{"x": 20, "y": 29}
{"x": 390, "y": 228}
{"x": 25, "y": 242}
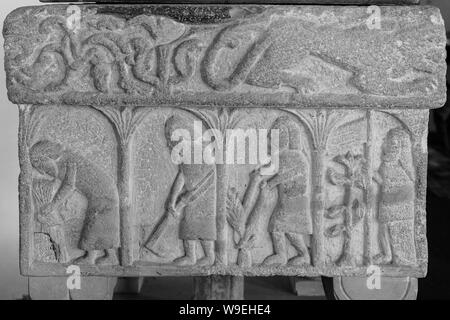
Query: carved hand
{"x": 71, "y": 174}
{"x": 49, "y": 215}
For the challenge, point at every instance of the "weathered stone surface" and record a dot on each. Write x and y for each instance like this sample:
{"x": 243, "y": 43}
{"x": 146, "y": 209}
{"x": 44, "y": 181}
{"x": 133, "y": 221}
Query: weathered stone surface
{"x": 360, "y": 173}
{"x": 48, "y": 288}
{"x": 103, "y": 105}
{"x": 94, "y": 288}
{"x": 308, "y": 56}
{"x": 56, "y": 288}
{"x": 367, "y": 2}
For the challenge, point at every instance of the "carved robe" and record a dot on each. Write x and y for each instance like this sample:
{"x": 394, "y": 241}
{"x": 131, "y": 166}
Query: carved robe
{"x": 101, "y": 225}
{"x": 396, "y": 211}
{"x": 397, "y": 193}
{"x": 292, "y": 214}
{"x": 199, "y": 218}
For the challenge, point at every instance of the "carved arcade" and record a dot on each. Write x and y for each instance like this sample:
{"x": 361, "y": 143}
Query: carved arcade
{"x": 100, "y": 104}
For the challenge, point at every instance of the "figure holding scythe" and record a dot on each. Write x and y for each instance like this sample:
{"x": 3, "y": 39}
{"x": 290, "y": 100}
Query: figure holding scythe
{"x": 192, "y": 198}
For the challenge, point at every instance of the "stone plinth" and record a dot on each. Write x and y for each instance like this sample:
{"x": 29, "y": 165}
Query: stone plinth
{"x": 109, "y": 95}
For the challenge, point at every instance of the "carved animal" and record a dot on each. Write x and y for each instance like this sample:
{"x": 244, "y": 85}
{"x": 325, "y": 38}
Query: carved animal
{"x": 47, "y": 73}
{"x": 275, "y": 57}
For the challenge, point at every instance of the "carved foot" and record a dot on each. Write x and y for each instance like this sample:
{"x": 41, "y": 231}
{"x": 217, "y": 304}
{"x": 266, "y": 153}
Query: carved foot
{"x": 110, "y": 258}
{"x": 75, "y": 254}
{"x": 275, "y": 260}
{"x": 184, "y": 261}
{"x": 89, "y": 258}
{"x": 206, "y": 261}
{"x": 363, "y": 288}
{"x": 300, "y": 261}
{"x": 70, "y": 255}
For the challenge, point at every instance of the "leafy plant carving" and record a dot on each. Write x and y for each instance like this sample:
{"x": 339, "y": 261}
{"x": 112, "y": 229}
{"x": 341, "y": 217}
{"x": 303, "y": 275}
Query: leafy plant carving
{"x": 352, "y": 210}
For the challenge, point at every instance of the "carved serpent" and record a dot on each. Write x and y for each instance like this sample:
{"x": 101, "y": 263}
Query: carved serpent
{"x": 281, "y": 48}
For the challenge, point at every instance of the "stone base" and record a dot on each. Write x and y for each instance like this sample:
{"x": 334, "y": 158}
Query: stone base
{"x": 131, "y": 285}
{"x": 219, "y": 288}
{"x": 307, "y": 287}
{"x": 55, "y": 288}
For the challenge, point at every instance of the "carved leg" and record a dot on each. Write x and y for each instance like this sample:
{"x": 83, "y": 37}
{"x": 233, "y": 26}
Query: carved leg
{"x": 218, "y": 288}
{"x": 386, "y": 256}
{"x": 129, "y": 285}
{"x": 208, "y": 248}
{"x": 357, "y": 288}
{"x": 298, "y": 243}
{"x": 48, "y": 288}
{"x": 189, "y": 254}
{"x": 279, "y": 247}
{"x": 307, "y": 287}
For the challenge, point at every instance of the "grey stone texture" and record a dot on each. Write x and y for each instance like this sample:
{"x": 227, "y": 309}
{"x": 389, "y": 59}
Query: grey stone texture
{"x": 402, "y": 64}
{"x": 103, "y": 89}
{"x": 223, "y": 2}
{"x": 55, "y": 288}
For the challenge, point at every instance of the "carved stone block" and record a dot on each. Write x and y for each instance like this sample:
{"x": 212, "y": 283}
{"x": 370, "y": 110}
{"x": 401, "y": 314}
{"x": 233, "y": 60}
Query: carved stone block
{"x": 120, "y": 107}
{"x": 366, "y": 2}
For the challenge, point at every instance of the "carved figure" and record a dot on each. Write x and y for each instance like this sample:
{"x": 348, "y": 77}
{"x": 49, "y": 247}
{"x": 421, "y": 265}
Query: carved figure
{"x": 273, "y": 58}
{"x": 193, "y": 199}
{"x": 50, "y": 196}
{"x": 291, "y": 218}
{"x": 100, "y": 234}
{"x": 396, "y": 200}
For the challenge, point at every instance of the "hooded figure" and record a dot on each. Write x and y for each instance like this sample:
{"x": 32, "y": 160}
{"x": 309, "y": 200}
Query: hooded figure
{"x": 100, "y": 234}
{"x": 396, "y": 200}
{"x": 291, "y": 219}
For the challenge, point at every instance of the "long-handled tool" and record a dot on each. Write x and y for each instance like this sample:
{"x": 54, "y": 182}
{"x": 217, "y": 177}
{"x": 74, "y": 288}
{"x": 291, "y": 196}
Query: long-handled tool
{"x": 172, "y": 214}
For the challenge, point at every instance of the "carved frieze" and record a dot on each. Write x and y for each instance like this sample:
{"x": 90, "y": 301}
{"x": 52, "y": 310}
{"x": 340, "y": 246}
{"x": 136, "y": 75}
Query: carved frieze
{"x": 347, "y": 192}
{"x": 309, "y": 55}
{"x": 246, "y": 140}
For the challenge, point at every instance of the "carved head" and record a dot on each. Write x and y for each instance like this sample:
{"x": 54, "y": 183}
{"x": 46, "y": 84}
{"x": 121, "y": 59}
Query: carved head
{"x": 179, "y": 133}
{"x": 44, "y": 156}
{"x": 395, "y": 143}
{"x": 289, "y": 133}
